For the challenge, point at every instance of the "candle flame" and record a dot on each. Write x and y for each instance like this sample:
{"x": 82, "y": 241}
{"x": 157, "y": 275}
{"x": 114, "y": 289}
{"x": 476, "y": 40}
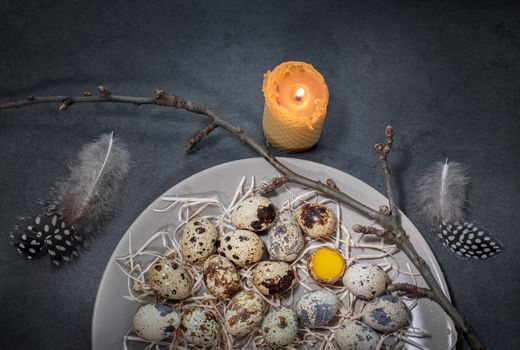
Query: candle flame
{"x": 298, "y": 96}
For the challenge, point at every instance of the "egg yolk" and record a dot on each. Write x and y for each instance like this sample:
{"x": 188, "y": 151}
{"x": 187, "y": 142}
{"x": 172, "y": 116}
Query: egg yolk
{"x": 327, "y": 264}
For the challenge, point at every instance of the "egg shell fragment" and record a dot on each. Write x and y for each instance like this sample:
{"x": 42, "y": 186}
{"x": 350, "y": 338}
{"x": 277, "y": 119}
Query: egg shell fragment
{"x": 285, "y": 238}
{"x": 255, "y": 213}
{"x": 198, "y": 240}
{"x": 200, "y": 327}
{"x": 366, "y": 281}
{"x": 316, "y": 308}
{"x": 280, "y": 327}
{"x": 242, "y": 247}
{"x": 316, "y": 220}
{"x": 156, "y": 321}
{"x": 244, "y": 313}
{"x": 169, "y": 279}
{"x": 221, "y": 277}
{"x": 356, "y": 335}
{"x": 386, "y": 313}
{"x": 273, "y": 277}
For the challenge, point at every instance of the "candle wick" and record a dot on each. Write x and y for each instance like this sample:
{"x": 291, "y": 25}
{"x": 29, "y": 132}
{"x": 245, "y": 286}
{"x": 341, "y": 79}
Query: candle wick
{"x": 298, "y": 96}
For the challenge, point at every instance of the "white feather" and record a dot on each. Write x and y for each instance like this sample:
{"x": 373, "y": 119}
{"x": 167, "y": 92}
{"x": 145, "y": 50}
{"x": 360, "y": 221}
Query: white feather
{"x": 441, "y": 192}
{"x": 87, "y": 197}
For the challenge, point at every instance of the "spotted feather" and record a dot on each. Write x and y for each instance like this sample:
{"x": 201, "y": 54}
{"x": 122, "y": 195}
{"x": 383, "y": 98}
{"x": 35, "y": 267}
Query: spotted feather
{"x": 468, "y": 240}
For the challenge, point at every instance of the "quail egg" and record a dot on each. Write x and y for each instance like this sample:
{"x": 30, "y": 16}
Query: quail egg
{"x": 326, "y": 265}
{"x": 316, "y": 308}
{"x": 280, "y": 327}
{"x": 386, "y": 313}
{"x": 366, "y": 281}
{"x": 170, "y": 279}
{"x": 156, "y": 321}
{"x": 242, "y": 247}
{"x": 198, "y": 240}
{"x": 256, "y": 213}
{"x": 273, "y": 277}
{"x": 200, "y": 327}
{"x": 356, "y": 335}
{"x": 244, "y": 312}
{"x": 221, "y": 277}
{"x": 285, "y": 239}
{"x": 316, "y": 220}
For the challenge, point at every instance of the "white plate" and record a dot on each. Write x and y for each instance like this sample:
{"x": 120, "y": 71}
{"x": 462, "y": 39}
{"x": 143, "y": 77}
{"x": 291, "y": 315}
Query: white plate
{"x": 113, "y": 314}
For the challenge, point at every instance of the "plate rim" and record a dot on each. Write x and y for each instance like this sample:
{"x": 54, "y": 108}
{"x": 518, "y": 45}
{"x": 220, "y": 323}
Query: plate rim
{"x": 435, "y": 266}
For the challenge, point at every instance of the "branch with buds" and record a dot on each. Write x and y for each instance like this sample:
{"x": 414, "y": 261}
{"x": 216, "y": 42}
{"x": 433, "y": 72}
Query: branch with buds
{"x": 387, "y": 217}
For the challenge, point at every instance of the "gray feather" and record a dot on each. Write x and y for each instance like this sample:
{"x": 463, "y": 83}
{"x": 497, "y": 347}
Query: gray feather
{"x": 441, "y": 192}
{"x": 88, "y": 196}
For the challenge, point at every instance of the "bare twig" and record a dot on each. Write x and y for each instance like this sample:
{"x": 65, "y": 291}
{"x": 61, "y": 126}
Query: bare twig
{"x": 370, "y": 230}
{"x": 411, "y": 290}
{"x": 272, "y": 186}
{"x": 199, "y": 136}
{"x": 390, "y": 223}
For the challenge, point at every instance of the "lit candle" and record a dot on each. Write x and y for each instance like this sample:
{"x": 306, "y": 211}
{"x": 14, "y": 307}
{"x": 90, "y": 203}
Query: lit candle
{"x": 296, "y": 99}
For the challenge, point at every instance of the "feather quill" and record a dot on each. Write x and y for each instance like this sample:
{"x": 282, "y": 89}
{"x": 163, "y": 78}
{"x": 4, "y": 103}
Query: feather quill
{"x": 79, "y": 205}
{"x": 442, "y": 200}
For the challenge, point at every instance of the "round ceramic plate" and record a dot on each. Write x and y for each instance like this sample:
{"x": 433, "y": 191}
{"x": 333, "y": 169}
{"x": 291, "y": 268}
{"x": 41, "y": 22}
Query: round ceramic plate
{"x": 113, "y": 313}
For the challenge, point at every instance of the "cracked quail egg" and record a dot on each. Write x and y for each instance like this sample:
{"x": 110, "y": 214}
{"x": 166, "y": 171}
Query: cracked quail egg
{"x": 156, "y": 321}
{"x": 242, "y": 247}
{"x": 366, "y": 281}
{"x": 316, "y": 308}
{"x": 326, "y": 265}
{"x": 285, "y": 238}
{"x": 386, "y": 313}
{"x": 273, "y": 277}
{"x": 221, "y": 277}
{"x": 198, "y": 240}
{"x": 356, "y": 335}
{"x": 170, "y": 279}
{"x": 316, "y": 220}
{"x": 256, "y": 213}
{"x": 200, "y": 327}
{"x": 244, "y": 312}
{"x": 280, "y": 327}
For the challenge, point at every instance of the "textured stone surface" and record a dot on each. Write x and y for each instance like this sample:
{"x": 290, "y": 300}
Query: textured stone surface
{"x": 445, "y": 75}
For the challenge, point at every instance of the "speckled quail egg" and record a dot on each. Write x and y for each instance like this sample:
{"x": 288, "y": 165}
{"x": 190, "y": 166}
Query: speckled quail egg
{"x": 156, "y": 321}
{"x": 316, "y": 308}
{"x": 198, "y": 240}
{"x": 273, "y": 277}
{"x": 355, "y": 335}
{"x": 366, "y": 281}
{"x": 256, "y": 213}
{"x": 221, "y": 277}
{"x": 280, "y": 327}
{"x": 200, "y": 327}
{"x": 316, "y": 220}
{"x": 244, "y": 312}
{"x": 386, "y": 313}
{"x": 285, "y": 239}
{"x": 170, "y": 279}
{"x": 242, "y": 247}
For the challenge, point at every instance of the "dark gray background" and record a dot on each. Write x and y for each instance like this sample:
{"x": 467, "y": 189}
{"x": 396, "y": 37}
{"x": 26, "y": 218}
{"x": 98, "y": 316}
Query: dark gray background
{"x": 445, "y": 75}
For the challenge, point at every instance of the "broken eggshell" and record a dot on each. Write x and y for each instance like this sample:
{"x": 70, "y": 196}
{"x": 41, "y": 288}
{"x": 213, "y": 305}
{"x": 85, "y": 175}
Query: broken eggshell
{"x": 316, "y": 308}
{"x": 256, "y": 213}
{"x": 273, "y": 277}
{"x": 244, "y": 313}
{"x": 200, "y": 327}
{"x": 354, "y": 334}
{"x": 198, "y": 240}
{"x": 169, "y": 279}
{"x": 280, "y": 327}
{"x": 156, "y": 321}
{"x": 386, "y": 313}
{"x": 242, "y": 247}
{"x": 220, "y": 277}
{"x": 316, "y": 220}
{"x": 285, "y": 238}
